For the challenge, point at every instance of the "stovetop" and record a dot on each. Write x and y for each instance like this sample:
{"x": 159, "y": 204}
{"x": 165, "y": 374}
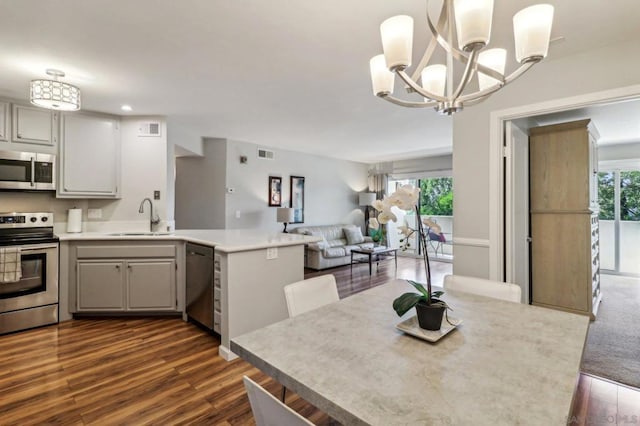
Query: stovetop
{"x": 26, "y": 228}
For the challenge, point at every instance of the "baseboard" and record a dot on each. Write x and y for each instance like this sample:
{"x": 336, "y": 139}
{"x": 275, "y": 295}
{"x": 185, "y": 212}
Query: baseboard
{"x": 226, "y": 354}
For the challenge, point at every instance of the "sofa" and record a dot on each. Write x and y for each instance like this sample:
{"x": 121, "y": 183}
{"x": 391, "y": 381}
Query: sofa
{"x": 335, "y": 247}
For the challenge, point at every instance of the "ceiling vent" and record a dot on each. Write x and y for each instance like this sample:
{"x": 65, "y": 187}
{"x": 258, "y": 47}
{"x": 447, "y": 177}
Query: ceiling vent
{"x": 265, "y": 154}
{"x": 149, "y": 129}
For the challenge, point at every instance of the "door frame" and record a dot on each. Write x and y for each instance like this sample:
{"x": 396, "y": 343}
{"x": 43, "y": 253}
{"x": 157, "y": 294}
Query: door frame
{"x": 497, "y": 231}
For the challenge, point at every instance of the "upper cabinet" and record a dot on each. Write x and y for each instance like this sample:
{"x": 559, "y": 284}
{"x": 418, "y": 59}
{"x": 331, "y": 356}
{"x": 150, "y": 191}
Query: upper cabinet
{"x": 89, "y": 156}
{"x": 33, "y": 125}
{"x": 4, "y": 121}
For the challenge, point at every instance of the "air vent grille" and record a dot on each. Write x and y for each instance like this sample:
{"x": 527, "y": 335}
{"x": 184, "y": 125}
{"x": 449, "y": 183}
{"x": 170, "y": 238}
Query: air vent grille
{"x": 266, "y": 154}
{"x": 149, "y": 129}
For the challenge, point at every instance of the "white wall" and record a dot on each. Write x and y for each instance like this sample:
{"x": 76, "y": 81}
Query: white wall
{"x": 598, "y": 70}
{"x": 144, "y": 170}
{"x": 623, "y": 151}
{"x": 200, "y": 187}
{"x": 331, "y": 187}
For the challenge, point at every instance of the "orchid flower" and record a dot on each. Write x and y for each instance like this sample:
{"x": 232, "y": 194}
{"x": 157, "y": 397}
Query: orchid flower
{"x": 373, "y": 223}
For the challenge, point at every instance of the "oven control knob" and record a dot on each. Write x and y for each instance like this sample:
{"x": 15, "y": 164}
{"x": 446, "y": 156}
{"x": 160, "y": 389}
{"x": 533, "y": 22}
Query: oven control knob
{"x": 33, "y": 219}
{"x": 44, "y": 218}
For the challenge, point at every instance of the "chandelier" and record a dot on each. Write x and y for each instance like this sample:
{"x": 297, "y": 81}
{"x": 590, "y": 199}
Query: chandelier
{"x": 470, "y": 22}
{"x": 54, "y": 94}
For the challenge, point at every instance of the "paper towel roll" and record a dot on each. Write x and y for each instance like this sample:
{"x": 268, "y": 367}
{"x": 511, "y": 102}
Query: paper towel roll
{"x": 74, "y": 220}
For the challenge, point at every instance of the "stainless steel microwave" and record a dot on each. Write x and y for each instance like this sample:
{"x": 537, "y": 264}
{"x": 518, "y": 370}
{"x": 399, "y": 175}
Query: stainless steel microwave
{"x": 27, "y": 171}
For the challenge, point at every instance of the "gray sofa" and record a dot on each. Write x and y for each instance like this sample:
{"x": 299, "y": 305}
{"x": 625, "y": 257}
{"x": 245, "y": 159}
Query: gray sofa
{"x": 335, "y": 249}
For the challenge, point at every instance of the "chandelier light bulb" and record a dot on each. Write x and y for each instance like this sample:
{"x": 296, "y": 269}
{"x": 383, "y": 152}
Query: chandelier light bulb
{"x": 532, "y": 31}
{"x": 397, "y": 41}
{"x": 495, "y": 59}
{"x": 381, "y": 78}
{"x": 473, "y": 23}
{"x": 434, "y": 79}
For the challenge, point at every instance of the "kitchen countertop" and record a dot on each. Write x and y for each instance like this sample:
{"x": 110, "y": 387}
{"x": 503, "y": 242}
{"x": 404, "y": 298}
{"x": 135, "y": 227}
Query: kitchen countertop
{"x": 224, "y": 240}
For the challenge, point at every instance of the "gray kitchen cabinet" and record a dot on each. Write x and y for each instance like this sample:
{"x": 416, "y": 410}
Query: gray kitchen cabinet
{"x": 89, "y": 156}
{"x": 101, "y": 286}
{"x": 4, "y": 121}
{"x": 33, "y": 125}
{"x": 123, "y": 277}
{"x": 151, "y": 285}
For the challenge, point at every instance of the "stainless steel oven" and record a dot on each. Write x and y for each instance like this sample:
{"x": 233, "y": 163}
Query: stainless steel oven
{"x": 27, "y": 171}
{"x": 32, "y": 299}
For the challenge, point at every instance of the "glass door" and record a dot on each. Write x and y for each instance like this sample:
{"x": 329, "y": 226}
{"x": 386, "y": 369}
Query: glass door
{"x": 619, "y": 199}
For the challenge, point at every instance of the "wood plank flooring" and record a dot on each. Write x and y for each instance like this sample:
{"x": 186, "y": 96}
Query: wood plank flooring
{"x": 161, "y": 371}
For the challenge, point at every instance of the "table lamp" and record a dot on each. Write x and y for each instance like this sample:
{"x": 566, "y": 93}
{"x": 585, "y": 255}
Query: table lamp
{"x": 285, "y": 215}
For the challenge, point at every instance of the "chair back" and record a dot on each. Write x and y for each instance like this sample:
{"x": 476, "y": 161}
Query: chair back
{"x": 497, "y": 290}
{"x": 267, "y": 410}
{"x": 310, "y": 294}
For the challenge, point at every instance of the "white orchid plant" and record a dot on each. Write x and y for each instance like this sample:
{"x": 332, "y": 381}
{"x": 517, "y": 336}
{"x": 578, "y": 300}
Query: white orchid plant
{"x": 406, "y": 198}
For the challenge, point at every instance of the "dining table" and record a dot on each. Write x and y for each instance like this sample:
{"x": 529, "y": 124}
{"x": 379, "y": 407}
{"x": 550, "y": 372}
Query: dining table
{"x": 504, "y": 363}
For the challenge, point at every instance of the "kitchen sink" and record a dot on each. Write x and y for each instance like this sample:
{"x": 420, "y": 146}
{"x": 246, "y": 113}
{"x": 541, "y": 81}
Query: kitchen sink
{"x": 141, "y": 234}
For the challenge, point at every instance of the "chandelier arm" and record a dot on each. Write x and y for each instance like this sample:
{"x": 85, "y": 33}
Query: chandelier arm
{"x": 467, "y": 75}
{"x": 488, "y": 91}
{"x": 403, "y": 75}
{"x": 431, "y": 47}
{"x": 408, "y": 104}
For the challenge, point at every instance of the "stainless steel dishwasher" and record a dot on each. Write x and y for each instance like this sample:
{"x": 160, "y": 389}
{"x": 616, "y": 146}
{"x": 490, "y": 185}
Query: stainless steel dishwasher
{"x": 200, "y": 284}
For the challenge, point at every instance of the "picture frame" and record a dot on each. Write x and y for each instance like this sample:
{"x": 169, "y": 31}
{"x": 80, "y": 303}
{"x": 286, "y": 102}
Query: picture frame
{"x": 275, "y": 191}
{"x": 297, "y": 198}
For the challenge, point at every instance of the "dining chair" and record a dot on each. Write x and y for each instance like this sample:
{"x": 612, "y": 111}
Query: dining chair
{"x": 497, "y": 290}
{"x": 306, "y": 295}
{"x": 267, "y": 410}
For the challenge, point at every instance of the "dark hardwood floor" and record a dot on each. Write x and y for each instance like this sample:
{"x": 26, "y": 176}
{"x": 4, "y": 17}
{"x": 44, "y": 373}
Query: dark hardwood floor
{"x": 165, "y": 371}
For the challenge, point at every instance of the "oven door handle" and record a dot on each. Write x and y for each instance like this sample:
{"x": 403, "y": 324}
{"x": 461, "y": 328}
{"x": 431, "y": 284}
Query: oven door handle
{"x": 33, "y": 248}
{"x": 33, "y": 171}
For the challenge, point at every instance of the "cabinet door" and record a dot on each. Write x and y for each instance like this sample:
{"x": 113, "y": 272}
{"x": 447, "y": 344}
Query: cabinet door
{"x": 90, "y": 156}
{"x": 101, "y": 286}
{"x": 152, "y": 285}
{"x": 33, "y": 125}
{"x": 4, "y": 121}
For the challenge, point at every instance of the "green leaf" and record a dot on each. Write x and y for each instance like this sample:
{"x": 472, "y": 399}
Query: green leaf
{"x": 436, "y": 293}
{"x": 420, "y": 288}
{"x": 405, "y": 302}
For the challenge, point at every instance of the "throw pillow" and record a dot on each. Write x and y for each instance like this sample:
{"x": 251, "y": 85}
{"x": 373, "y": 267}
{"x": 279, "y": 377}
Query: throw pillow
{"x": 354, "y": 235}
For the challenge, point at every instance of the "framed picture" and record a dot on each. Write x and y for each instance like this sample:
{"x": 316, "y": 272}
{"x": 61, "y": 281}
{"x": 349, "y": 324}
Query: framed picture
{"x": 275, "y": 191}
{"x": 297, "y": 198}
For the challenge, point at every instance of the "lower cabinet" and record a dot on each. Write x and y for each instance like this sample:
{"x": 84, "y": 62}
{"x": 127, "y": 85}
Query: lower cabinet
{"x": 108, "y": 281}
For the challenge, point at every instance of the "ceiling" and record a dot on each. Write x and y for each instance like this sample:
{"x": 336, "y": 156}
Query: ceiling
{"x": 292, "y": 75}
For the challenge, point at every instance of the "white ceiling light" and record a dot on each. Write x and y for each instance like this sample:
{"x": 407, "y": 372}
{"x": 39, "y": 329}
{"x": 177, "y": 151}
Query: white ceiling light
{"x": 126, "y": 108}
{"x": 470, "y": 22}
{"x": 54, "y": 94}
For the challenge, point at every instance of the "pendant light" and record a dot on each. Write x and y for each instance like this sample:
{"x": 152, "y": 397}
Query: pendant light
{"x": 54, "y": 94}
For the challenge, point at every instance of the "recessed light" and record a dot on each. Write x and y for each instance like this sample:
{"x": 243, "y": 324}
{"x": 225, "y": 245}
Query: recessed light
{"x": 126, "y": 108}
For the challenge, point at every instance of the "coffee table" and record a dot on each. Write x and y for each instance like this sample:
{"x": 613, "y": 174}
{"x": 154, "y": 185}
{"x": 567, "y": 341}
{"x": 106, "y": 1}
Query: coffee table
{"x": 375, "y": 254}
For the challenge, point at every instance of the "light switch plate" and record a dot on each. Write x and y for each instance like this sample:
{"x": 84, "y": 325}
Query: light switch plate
{"x": 94, "y": 213}
{"x": 156, "y": 195}
{"x": 272, "y": 253}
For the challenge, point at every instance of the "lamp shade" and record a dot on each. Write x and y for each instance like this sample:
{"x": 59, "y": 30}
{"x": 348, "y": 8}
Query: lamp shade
{"x": 494, "y": 59}
{"x": 284, "y": 215}
{"x": 366, "y": 198}
{"x": 397, "y": 41}
{"x": 54, "y": 94}
{"x": 381, "y": 78}
{"x": 434, "y": 78}
{"x": 473, "y": 22}
{"x": 532, "y": 31}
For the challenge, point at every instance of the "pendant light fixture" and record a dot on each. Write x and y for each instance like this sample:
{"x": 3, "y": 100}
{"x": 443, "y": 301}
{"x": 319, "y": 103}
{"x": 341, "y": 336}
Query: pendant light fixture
{"x": 54, "y": 94}
{"x": 463, "y": 31}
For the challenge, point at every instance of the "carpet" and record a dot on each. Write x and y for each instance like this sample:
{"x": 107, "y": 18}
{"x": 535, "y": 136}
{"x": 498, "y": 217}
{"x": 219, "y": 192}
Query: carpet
{"x": 613, "y": 343}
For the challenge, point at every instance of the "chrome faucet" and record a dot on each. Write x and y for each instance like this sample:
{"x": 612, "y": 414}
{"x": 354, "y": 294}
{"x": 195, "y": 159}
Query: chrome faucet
{"x": 153, "y": 219}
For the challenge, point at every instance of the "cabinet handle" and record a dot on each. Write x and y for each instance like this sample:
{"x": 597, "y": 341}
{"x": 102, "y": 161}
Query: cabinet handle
{"x": 19, "y": 136}
{"x": 117, "y": 266}
{"x": 128, "y": 266}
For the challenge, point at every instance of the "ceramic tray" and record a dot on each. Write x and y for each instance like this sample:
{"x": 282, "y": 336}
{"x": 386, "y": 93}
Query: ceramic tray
{"x": 411, "y": 327}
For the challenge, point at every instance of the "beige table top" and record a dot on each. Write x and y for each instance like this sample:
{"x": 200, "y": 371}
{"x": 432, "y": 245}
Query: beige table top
{"x": 508, "y": 363}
